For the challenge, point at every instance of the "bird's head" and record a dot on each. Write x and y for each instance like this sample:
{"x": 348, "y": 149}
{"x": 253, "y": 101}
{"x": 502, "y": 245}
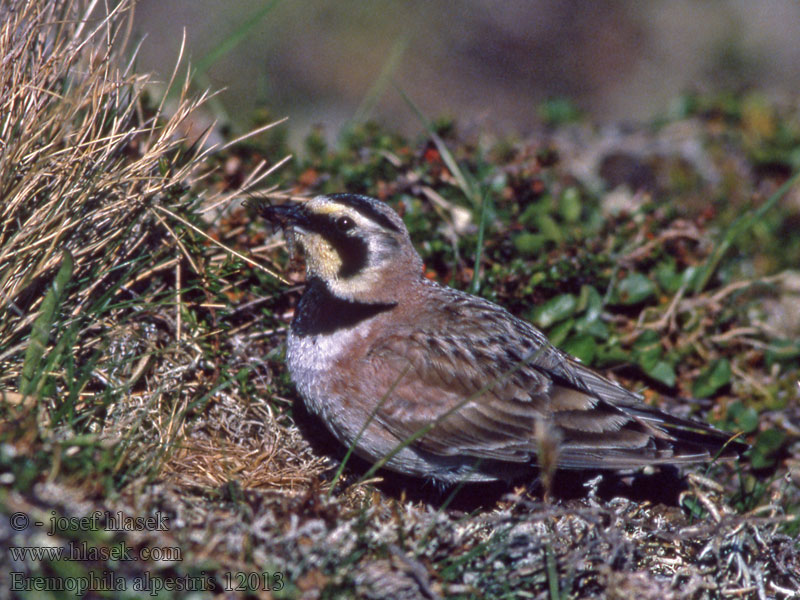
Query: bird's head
{"x": 357, "y": 245}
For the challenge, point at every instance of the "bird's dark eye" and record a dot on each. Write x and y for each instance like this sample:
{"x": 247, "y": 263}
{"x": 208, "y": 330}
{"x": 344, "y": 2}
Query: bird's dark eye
{"x": 344, "y": 223}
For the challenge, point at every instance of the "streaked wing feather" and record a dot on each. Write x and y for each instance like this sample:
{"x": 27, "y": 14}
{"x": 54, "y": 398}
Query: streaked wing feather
{"x": 496, "y": 392}
{"x": 495, "y": 419}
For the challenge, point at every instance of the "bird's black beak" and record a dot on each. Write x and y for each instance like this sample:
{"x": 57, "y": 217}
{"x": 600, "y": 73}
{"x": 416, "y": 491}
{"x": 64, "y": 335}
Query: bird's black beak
{"x": 282, "y": 215}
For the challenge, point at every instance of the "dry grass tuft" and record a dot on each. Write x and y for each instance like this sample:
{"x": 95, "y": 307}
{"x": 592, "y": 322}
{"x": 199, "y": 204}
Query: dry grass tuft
{"x": 98, "y": 245}
{"x": 81, "y": 166}
{"x": 247, "y": 445}
{"x": 81, "y": 170}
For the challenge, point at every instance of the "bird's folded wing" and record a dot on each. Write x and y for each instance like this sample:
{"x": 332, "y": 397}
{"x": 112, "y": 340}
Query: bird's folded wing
{"x": 461, "y": 397}
{"x": 477, "y": 401}
{"x": 467, "y": 407}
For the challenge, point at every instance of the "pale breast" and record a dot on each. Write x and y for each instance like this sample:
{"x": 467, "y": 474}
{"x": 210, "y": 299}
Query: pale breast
{"x": 312, "y": 362}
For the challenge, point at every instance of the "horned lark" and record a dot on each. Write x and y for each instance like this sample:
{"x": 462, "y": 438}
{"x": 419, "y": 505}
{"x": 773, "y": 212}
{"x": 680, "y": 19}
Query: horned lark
{"x": 383, "y": 355}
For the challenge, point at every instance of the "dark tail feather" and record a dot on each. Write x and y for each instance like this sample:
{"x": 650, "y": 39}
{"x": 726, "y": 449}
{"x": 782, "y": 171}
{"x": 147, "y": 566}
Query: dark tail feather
{"x": 681, "y": 442}
{"x": 692, "y": 435}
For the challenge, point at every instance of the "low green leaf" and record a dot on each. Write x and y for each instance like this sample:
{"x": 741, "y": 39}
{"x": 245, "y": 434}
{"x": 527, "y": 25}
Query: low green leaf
{"x": 741, "y": 417}
{"x": 768, "y": 443}
{"x": 689, "y": 275}
{"x": 695, "y": 508}
{"x": 663, "y": 372}
{"x": 647, "y": 339}
{"x": 782, "y": 350}
{"x": 549, "y": 228}
{"x": 560, "y": 332}
{"x": 529, "y": 243}
{"x": 537, "y": 279}
{"x": 611, "y": 354}
{"x": 590, "y": 301}
{"x": 713, "y": 377}
{"x": 596, "y": 328}
{"x": 581, "y": 346}
{"x": 554, "y": 310}
{"x": 647, "y": 350}
{"x": 570, "y": 206}
{"x": 529, "y": 215}
{"x": 667, "y": 277}
{"x": 649, "y": 360}
{"x": 635, "y": 288}
{"x": 671, "y": 280}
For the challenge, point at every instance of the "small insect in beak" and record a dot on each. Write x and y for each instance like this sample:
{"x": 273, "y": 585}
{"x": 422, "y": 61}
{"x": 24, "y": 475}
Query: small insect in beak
{"x": 289, "y": 217}
{"x": 281, "y": 215}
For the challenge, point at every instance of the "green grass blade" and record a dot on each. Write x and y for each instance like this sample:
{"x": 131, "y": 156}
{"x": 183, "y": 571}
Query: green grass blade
{"x": 552, "y": 572}
{"x": 43, "y": 324}
{"x": 464, "y": 181}
{"x": 422, "y": 431}
{"x": 378, "y": 88}
{"x": 199, "y": 75}
{"x": 476, "y": 280}
{"x": 236, "y": 37}
{"x": 361, "y": 431}
{"x": 736, "y": 229}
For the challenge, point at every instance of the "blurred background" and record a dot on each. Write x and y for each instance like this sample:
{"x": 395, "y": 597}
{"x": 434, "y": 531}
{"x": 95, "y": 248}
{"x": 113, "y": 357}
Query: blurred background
{"x": 491, "y": 65}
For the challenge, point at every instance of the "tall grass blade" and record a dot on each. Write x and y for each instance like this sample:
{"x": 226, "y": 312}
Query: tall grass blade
{"x": 378, "y": 88}
{"x": 463, "y": 180}
{"x": 423, "y": 431}
{"x": 236, "y": 37}
{"x": 361, "y": 431}
{"x": 737, "y": 229}
{"x": 42, "y": 326}
{"x": 476, "y": 278}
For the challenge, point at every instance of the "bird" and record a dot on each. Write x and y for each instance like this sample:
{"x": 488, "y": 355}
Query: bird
{"x": 433, "y": 382}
